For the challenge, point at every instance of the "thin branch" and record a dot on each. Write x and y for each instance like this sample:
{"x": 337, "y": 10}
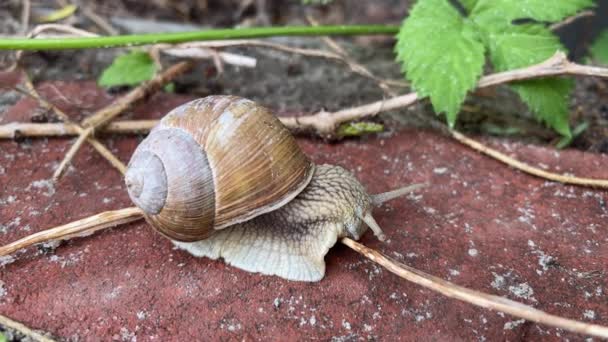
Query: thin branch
{"x": 106, "y": 114}
{"x": 325, "y": 123}
{"x": 571, "y": 19}
{"x": 24, "y": 330}
{"x": 477, "y": 298}
{"x": 13, "y": 130}
{"x": 79, "y": 228}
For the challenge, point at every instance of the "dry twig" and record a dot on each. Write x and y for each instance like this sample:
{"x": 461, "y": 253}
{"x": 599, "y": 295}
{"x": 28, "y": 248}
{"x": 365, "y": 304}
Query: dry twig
{"x": 24, "y": 330}
{"x": 32, "y": 92}
{"x": 103, "y": 116}
{"x": 475, "y": 297}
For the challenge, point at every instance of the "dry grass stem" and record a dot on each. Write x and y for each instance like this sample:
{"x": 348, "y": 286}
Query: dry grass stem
{"x": 26, "y": 13}
{"x": 600, "y": 183}
{"x": 352, "y": 64}
{"x": 99, "y": 21}
{"x": 24, "y": 330}
{"x": 41, "y": 31}
{"x": 477, "y": 298}
{"x": 83, "y": 227}
{"x": 18, "y": 129}
{"x": 207, "y": 53}
{"x": 356, "y": 68}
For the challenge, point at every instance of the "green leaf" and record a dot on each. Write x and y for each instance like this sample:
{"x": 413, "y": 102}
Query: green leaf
{"x": 523, "y": 45}
{"x": 500, "y": 130}
{"x": 578, "y": 130}
{"x": 355, "y": 129}
{"x": 599, "y": 49}
{"x": 548, "y": 99}
{"x": 499, "y": 13}
{"x": 59, "y": 14}
{"x": 129, "y": 69}
{"x": 169, "y": 87}
{"x": 440, "y": 54}
{"x": 468, "y": 4}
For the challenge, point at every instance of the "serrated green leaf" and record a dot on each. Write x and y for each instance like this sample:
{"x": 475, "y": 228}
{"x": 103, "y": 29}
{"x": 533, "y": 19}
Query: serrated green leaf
{"x": 59, "y": 14}
{"x": 355, "y": 129}
{"x": 523, "y": 45}
{"x": 440, "y": 54}
{"x": 129, "y": 69}
{"x": 499, "y": 13}
{"x": 548, "y": 99}
{"x": 599, "y": 49}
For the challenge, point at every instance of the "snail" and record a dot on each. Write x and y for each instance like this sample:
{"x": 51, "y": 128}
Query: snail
{"x": 223, "y": 178}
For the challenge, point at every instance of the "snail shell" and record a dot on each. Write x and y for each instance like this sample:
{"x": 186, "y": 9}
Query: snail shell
{"x": 212, "y": 163}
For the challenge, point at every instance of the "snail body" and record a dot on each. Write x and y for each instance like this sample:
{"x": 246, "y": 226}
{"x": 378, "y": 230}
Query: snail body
{"x": 292, "y": 241}
{"x": 223, "y": 178}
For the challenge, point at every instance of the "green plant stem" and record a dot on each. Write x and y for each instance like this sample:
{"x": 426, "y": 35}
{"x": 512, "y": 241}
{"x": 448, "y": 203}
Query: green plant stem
{"x": 172, "y": 38}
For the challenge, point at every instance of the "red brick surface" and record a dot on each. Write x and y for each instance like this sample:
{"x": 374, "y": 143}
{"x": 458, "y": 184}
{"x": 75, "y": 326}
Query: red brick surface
{"x": 480, "y": 224}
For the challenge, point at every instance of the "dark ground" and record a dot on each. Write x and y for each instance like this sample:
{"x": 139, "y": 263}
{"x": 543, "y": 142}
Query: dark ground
{"x": 482, "y": 225}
